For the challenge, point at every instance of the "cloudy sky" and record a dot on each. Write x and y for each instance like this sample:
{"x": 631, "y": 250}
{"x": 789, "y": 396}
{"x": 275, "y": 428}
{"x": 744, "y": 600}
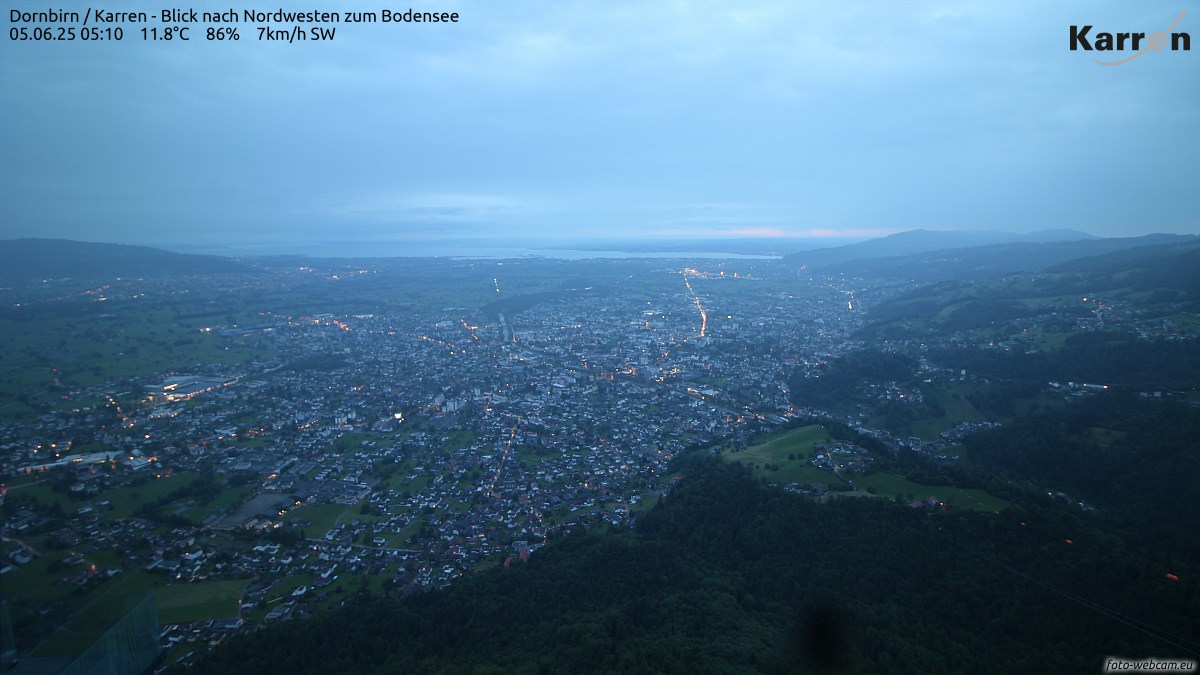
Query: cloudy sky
{"x": 563, "y": 122}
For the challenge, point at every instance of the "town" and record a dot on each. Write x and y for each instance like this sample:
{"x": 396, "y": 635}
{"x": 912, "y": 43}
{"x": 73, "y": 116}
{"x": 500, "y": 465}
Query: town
{"x": 397, "y": 448}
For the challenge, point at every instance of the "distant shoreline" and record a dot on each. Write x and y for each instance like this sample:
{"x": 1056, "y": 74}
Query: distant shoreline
{"x": 477, "y": 253}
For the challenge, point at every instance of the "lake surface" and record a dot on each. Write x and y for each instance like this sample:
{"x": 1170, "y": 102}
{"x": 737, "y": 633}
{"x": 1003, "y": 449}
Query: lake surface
{"x": 448, "y": 250}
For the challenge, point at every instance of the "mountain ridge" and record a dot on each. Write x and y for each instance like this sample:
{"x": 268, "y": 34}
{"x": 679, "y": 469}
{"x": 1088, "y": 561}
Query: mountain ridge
{"x": 996, "y": 260}
{"x": 35, "y": 259}
{"x": 911, "y": 242}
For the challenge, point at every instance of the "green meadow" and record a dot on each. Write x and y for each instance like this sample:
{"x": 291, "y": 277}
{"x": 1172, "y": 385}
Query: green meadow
{"x": 783, "y": 458}
{"x": 194, "y": 602}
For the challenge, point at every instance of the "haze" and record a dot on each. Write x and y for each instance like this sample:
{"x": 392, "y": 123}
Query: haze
{"x": 564, "y": 123}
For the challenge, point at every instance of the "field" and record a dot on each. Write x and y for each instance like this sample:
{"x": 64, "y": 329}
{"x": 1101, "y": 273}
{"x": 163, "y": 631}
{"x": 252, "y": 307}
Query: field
{"x": 795, "y": 441}
{"x": 194, "y": 602}
{"x": 889, "y": 485}
{"x": 49, "y": 359}
{"x": 770, "y": 458}
{"x": 81, "y": 617}
{"x": 953, "y": 397}
{"x": 323, "y": 517}
{"x": 127, "y": 500}
{"x": 40, "y": 491}
{"x": 101, "y": 609}
{"x": 783, "y": 458}
{"x": 226, "y": 500}
{"x": 402, "y": 483}
{"x": 400, "y": 539}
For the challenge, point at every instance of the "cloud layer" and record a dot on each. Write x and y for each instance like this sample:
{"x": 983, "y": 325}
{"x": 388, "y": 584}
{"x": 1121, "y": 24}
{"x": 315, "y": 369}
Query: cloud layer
{"x": 568, "y": 121}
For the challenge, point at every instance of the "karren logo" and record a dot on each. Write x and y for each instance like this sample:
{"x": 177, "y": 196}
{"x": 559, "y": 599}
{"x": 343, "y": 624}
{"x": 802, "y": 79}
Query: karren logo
{"x": 1139, "y": 42}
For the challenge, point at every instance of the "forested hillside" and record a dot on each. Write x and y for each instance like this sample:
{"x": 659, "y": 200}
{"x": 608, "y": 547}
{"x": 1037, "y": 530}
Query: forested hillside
{"x": 727, "y": 575}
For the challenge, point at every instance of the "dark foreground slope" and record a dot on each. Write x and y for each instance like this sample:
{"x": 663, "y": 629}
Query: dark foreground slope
{"x": 730, "y": 576}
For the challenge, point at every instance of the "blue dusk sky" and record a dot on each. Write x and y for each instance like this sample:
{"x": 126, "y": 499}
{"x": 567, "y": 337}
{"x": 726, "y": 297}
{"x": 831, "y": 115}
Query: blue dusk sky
{"x": 562, "y": 123}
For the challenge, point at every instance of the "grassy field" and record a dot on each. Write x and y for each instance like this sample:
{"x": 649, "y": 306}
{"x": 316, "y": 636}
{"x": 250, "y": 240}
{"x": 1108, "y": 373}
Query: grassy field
{"x": 98, "y": 612}
{"x": 1103, "y": 437}
{"x": 953, "y": 398}
{"x": 889, "y": 485}
{"x": 776, "y": 449}
{"x": 459, "y": 438}
{"x": 283, "y": 589}
{"x": 194, "y": 602}
{"x": 228, "y": 499}
{"x": 323, "y": 517}
{"x": 350, "y": 441}
{"x": 557, "y": 517}
{"x": 647, "y": 502}
{"x": 36, "y": 579}
{"x": 400, "y": 539}
{"x": 76, "y": 616}
{"x": 401, "y": 483}
{"x": 127, "y": 500}
{"x": 43, "y": 494}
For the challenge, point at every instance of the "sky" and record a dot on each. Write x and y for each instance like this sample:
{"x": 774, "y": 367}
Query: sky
{"x": 559, "y": 123}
